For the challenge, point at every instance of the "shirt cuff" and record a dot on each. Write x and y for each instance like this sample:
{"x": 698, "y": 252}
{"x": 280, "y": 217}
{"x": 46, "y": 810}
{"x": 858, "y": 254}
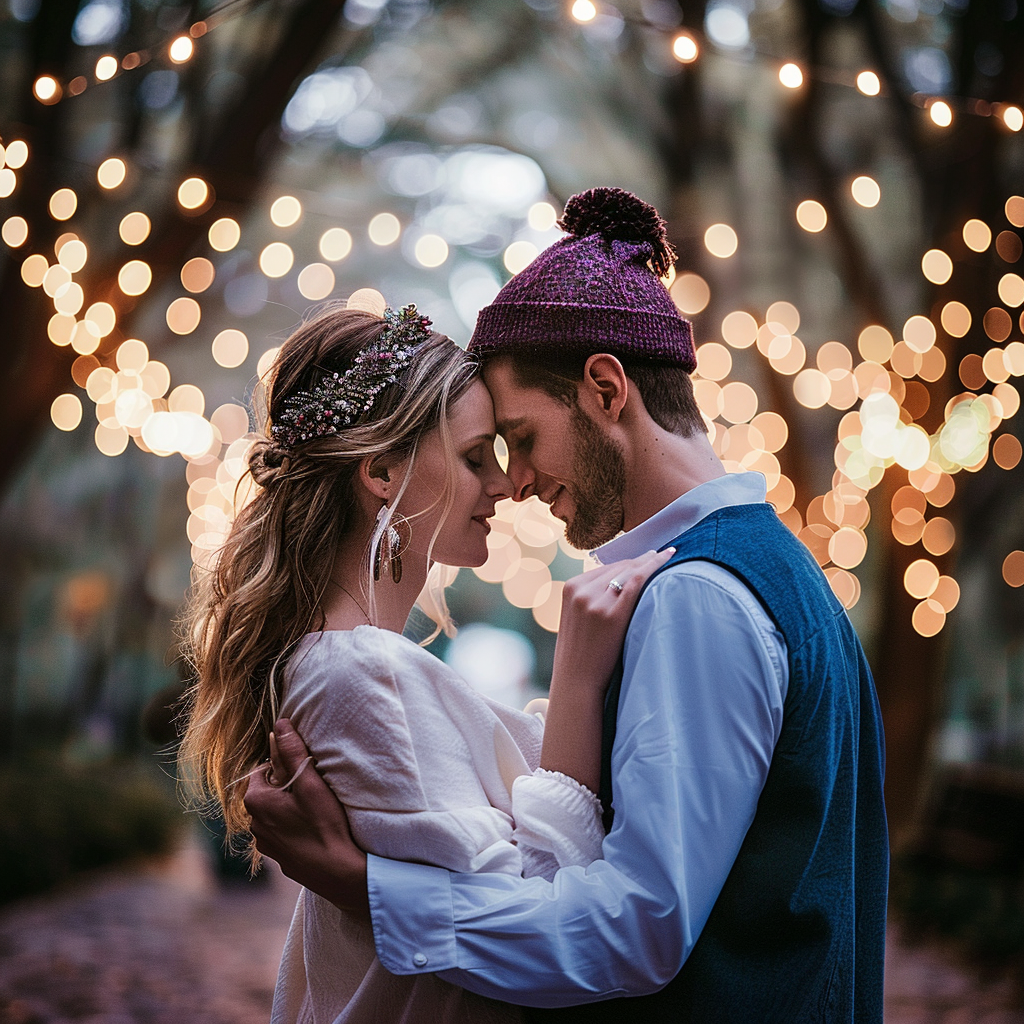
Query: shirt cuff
{"x": 411, "y": 912}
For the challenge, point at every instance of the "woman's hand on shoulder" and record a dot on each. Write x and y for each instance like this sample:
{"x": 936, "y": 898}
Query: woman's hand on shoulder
{"x": 596, "y": 609}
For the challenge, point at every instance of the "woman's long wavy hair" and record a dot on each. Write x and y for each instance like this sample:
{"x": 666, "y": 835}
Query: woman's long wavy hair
{"x": 266, "y": 588}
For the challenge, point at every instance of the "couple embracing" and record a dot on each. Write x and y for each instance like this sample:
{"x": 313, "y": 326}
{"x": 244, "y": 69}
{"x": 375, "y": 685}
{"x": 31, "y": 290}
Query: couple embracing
{"x": 691, "y": 830}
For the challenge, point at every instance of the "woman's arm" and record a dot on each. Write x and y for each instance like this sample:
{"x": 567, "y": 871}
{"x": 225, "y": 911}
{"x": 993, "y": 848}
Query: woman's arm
{"x": 594, "y": 621}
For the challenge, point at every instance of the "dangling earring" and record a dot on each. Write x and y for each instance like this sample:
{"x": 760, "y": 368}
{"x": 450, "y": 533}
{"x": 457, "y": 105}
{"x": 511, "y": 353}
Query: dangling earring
{"x": 386, "y": 547}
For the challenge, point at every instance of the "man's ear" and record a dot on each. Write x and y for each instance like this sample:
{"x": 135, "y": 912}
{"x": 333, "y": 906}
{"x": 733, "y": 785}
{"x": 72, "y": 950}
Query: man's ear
{"x": 605, "y": 384}
{"x": 375, "y": 477}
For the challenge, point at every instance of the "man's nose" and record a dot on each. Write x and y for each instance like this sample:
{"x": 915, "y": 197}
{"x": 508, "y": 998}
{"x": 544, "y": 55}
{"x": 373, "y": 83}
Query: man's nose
{"x": 523, "y": 479}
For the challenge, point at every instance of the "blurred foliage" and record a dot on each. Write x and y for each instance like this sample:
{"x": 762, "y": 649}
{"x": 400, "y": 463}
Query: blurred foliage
{"x": 60, "y": 819}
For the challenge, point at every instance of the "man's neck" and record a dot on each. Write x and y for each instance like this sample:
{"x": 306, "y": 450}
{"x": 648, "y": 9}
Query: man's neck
{"x": 662, "y": 466}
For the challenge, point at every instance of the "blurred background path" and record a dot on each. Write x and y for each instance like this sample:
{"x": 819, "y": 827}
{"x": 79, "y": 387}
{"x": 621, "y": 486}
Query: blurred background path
{"x": 164, "y": 942}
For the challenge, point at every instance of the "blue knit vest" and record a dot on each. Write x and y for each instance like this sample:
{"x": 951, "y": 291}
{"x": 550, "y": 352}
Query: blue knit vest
{"x": 797, "y": 933}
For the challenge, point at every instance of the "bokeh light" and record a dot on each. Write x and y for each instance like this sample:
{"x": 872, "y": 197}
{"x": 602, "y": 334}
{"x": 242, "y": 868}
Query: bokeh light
{"x": 1011, "y": 289}
{"x": 519, "y": 255}
{"x": 1009, "y": 246}
{"x": 230, "y": 348}
{"x": 224, "y": 234}
{"x": 193, "y": 193}
{"x": 721, "y": 241}
{"x": 684, "y": 48}
{"x": 285, "y": 211}
{"x": 134, "y": 277}
{"x": 584, "y": 10}
{"x": 111, "y": 172}
{"x": 1013, "y": 568}
{"x": 66, "y": 412}
{"x": 276, "y": 259}
{"x": 197, "y": 275}
{"x": 791, "y": 76}
{"x": 1006, "y": 451}
{"x": 134, "y": 228}
{"x": 181, "y": 49}
{"x": 690, "y": 293}
{"x": 384, "y": 229}
{"x": 739, "y": 329}
{"x": 811, "y": 215}
{"x": 14, "y": 231}
{"x": 936, "y": 266}
{"x": 977, "y": 235}
{"x": 868, "y": 83}
{"x": 865, "y": 191}
{"x": 430, "y": 250}
{"x": 63, "y": 204}
{"x": 941, "y": 113}
{"x": 369, "y": 300}
{"x": 335, "y": 244}
{"x": 542, "y": 216}
{"x": 183, "y": 315}
{"x": 316, "y": 281}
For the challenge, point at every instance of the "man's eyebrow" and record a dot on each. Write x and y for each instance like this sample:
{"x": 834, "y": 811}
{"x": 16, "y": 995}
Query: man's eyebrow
{"x": 508, "y": 425}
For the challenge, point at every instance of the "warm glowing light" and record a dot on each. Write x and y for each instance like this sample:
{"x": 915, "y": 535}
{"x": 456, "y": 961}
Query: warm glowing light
{"x": 335, "y": 244}
{"x": 193, "y": 193}
{"x": 34, "y": 269}
{"x": 266, "y": 361}
{"x": 773, "y": 428}
{"x": 134, "y": 277}
{"x": 941, "y": 113}
{"x": 739, "y": 402}
{"x": 69, "y": 299}
{"x": 231, "y": 420}
{"x": 111, "y": 440}
{"x": 369, "y": 300}
{"x": 1013, "y": 568}
{"x": 956, "y": 319}
{"x": 111, "y": 172}
{"x": 181, "y": 49}
{"x": 1013, "y": 208}
{"x": 1013, "y": 118}
{"x": 939, "y": 536}
{"x": 132, "y": 355}
{"x": 46, "y": 89}
{"x": 430, "y": 250}
{"x": 937, "y": 266}
{"x": 929, "y": 617}
{"x": 155, "y": 379}
{"x": 584, "y": 10}
{"x": 791, "y": 76}
{"x": 921, "y": 578}
{"x": 812, "y": 388}
{"x": 919, "y": 334}
{"x": 224, "y": 234}
{"x": 691, "y": 294}
{"x": 66, "y": 412}
{"x": 847, "y": 547}
{"x": 947, "y": 593}
{"x": 721, "y": 241}
{"x": 875, "y": 343}
{"x": 60, "y": 328}
{"x": 73, "y": 255}
{"x": 134, "y": 228}
{"x": 684, "y": 48}
{"x": 106, "y": 68}
{"x": 8, "y": 182}
{"x": 276, "y": 259}
{"x": 230, "y": 348}
{"x": 17, "y": 153}
{"x": 186, "y": 398}
{"x": 183, "y": 315}
{"x": 1009, "y": 246}
{"x": 997, "y": 324}
{"x": 868, "y": 83}
{"x": 811, "y": 215}
{"x": 519, "y": 255}
{"x": 865, "y": 191}
{"x": 542, "y": 216}
{"x": 15, "y": 231}
{"x": 63, "y": 204}
{"x": 285, "y": 211}
{"x": 739, "y": 329}
{"x": 384, "y": 229}
{"x": 1006, "y": 451}
{"x": 713, "y": 361}
{"x": 197, "y": 275}
{"x": 1011, "y": 289}
{"x": 316, "y": 281}
{"x": 977, "y": 235}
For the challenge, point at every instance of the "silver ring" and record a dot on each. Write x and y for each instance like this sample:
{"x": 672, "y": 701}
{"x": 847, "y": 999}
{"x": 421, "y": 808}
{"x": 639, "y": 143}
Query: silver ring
{"x": 616, "y": 586}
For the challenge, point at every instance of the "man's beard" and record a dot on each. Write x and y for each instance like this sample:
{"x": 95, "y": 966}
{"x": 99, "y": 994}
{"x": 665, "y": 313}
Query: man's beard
{"x": 599, "y": 470}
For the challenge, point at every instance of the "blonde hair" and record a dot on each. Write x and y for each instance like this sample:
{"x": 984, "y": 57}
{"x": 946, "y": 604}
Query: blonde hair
{"x": 266, "y": 588}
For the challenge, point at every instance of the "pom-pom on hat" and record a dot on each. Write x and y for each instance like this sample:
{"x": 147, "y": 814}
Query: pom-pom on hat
{"x": 594, "y": 290}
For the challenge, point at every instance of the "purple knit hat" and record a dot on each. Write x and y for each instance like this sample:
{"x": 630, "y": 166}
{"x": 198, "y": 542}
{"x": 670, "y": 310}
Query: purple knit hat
{"x": 593, "y": 291}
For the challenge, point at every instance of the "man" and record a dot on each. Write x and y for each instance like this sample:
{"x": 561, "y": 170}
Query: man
{"x": 744, "y": 874}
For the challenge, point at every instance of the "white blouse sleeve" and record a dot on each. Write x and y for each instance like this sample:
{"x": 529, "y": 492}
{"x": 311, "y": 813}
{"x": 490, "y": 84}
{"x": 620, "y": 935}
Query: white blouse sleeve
{"x": 557, "y": 819}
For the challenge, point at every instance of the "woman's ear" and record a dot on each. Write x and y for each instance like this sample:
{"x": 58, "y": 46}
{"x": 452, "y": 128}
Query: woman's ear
{"x": 375, "y": 477}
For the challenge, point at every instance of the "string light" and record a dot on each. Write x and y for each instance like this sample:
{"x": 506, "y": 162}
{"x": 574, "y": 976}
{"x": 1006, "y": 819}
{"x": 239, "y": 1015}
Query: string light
{"x": 684, "y": 48}
{"x": 791, "y": 76}
{"x": 181, "y": 49}
{"x": 584, "y": 11}
{"x": 941, "y": 113}
{"x": 868, "y": 83}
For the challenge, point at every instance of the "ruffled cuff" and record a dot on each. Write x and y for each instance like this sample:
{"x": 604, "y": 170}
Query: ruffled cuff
{"x": 557, "y": 822}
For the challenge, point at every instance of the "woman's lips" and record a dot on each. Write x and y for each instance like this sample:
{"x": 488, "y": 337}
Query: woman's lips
{"x": 482, "y": 520}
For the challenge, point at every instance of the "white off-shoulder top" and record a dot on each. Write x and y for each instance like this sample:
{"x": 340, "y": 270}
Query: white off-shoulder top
{"x": 429, "y": 771}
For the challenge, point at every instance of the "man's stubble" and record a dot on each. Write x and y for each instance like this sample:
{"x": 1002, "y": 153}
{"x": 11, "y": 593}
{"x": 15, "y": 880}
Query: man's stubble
{"x": 599, "y": 482}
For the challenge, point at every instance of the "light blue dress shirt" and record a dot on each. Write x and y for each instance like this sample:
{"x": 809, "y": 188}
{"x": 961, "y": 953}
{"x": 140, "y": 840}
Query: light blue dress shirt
{"x": 700, "y": 711}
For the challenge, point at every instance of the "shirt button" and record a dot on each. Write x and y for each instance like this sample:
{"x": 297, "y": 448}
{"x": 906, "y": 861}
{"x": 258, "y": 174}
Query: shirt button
{"x": 420, "y": 959}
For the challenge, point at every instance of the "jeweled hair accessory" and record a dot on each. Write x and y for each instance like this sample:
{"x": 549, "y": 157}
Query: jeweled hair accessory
{"x": 339, "y": 399}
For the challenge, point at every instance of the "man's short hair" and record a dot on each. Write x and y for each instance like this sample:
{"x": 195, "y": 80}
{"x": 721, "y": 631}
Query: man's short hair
{"x": 665, "y": 390}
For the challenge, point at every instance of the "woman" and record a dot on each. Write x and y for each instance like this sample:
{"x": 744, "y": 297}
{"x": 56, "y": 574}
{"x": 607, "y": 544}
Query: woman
{"x": 378, "y": 461}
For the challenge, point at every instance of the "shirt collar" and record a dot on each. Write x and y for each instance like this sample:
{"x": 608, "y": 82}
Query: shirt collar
{"x": 686, "y": 511}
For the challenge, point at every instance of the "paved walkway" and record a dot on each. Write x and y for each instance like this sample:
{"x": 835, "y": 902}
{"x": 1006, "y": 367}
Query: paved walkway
{"x": 164, "y": 943}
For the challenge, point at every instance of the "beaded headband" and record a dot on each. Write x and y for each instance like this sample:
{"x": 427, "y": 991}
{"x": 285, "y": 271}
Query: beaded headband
{"x": 339, "y": 399}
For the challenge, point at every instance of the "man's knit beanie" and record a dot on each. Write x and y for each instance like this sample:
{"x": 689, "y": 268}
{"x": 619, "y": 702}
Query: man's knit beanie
{"x": 594, "y": 290}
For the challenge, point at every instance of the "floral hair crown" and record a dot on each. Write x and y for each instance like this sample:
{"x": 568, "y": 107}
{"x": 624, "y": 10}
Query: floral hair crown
{"x": 339, "y": 399}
